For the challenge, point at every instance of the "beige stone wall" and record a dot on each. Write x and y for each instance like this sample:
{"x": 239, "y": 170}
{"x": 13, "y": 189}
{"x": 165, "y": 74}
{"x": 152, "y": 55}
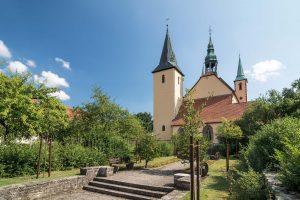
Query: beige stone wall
{"x": 209, "y": 86}
{"x": 241, "y": 93}
{"x": 213, "y": 125}
{"x": 167, "y": 98}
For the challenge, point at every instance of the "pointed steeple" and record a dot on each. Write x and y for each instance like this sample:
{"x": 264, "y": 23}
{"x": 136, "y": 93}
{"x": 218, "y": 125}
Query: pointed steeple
{"x": 211, "y": 61}
{"x": 167, "y": 58}
{"x": 240, "y": 72}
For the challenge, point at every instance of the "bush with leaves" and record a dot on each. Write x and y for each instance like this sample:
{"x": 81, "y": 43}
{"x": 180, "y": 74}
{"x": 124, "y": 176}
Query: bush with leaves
{"x": 289, "y": 161}
{"x": 260, "y": 153}
{"x": 165, "y": 148}
{"x": 21, "y": 159}
{"x": 247, "y": 186}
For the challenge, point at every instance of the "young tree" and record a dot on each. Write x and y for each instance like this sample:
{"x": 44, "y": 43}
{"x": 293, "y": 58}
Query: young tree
{"x": 54, "y": 120}
{"x": 228, "y": 132}
{"x": 147, "y": 148}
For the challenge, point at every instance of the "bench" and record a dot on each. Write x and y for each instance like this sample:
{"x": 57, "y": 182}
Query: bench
{"x": 115, "y": 163}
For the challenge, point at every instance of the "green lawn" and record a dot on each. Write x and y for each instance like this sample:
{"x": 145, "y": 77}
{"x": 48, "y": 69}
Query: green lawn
{"x": 26, "y": 179}
{"x": 215, "y": 186}
{"x": 157, "y": 162}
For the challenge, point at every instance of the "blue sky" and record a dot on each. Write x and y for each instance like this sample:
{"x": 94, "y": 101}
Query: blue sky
{"x": 116, "y": 44}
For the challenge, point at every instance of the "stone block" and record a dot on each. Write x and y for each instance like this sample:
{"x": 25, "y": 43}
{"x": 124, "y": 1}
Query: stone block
{"x": 105, "y": 171}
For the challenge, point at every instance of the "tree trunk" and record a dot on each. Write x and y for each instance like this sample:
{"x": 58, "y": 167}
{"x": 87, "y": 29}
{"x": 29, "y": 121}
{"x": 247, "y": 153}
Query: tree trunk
{"x": 227, "y": 157}
{"x": 198, "y": 170}
{"x": 146, "y": 165}
{"x": 192, "y": 197}
{"x": 39, "y": 158}
{"x": 49, "y": 160}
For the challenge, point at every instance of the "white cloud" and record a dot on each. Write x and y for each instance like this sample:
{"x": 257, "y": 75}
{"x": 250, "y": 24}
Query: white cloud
{"x": 60, "y": 95}
{"x": 262, "y": 71}
{"x": 64, "y": 64}
{"x": 30, "y": 63}
{"x": 17, "y": 66}
{"x": 50, "y": 79}
{"x": 4, "y": 51}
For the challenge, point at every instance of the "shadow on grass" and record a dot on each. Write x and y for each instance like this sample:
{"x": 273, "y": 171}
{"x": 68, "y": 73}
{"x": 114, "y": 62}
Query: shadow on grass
{"x": 218, "y": 183}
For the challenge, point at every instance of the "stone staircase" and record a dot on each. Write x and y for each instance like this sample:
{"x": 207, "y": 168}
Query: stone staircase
{"x": 126, "y": 190}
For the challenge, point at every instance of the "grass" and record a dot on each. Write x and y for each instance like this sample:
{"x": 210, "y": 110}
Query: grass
{"x": 216, "y": 185}
{"x": 27, "y": 179}
{"x": 157, "y": 162}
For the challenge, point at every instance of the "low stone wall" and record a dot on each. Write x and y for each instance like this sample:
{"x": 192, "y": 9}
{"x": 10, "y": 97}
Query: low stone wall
{"x": 39, "y": 190}
{"x": 279, "y": 192}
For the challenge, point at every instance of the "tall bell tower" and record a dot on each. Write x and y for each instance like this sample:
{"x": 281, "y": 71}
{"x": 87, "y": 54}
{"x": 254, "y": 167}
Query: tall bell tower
{"x": 240, "y": 83}
{"x": 167, "y": 91}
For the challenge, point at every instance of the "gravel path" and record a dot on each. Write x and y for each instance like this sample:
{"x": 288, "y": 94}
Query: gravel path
{"x": 161, "y": 176}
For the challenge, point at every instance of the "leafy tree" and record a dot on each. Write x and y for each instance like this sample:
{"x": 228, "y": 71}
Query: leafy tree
{"x": 146, "y": 148}
{"x": 18, "y": 114}
{"x": 146, "y": 119}
{"x": 106, "y": 126}
{"x": 228, "y": 131}
{"x": 272, "y": 106}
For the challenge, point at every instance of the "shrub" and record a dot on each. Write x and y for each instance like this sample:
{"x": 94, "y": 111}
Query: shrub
{"x": 165, "y": 149}
{"x": 289, "y": 162}
{"x": 248, "y": 186}
{"x": 20, "y": 159}
{"x": 260, "y": 153}
{"x": 17, "y": 160}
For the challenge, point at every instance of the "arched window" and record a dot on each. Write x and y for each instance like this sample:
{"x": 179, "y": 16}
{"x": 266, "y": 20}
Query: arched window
{"x": 208, "y": 132}
{"x": 163, "y": 78}
{"x": 180, "y": 131}
{"x": 178, "y": 80}
{"x": 240, "y": 86}
{"x": 163, "y": 128}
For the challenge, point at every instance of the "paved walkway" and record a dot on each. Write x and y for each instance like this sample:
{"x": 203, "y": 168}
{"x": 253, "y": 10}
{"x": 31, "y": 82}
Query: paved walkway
{"x": 161, "y": 176}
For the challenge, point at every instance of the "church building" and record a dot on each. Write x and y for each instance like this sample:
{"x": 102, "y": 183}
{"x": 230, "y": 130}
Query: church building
{"x": 211, "y": 93}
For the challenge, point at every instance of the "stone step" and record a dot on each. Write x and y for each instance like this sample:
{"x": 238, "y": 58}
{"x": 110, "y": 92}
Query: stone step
{"x": 116, "y": 193}
{"x": 135, "y": 185}
{"x": 128, "y": 189}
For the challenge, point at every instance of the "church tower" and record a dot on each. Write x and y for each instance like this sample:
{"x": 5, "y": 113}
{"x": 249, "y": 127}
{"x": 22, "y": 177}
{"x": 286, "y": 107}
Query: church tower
{"x": 240, "y": 83}
{"x": 211, "y": 61}
{"x": 167, "y": 91}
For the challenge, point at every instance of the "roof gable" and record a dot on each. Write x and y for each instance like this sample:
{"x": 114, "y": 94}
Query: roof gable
{"x": 210, "y": 85}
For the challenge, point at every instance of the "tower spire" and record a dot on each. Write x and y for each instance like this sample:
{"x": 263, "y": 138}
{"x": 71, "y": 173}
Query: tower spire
{"x": 211, "y": 61}
{"x": 167, "y": 58}
{"x": 240, "y": 72}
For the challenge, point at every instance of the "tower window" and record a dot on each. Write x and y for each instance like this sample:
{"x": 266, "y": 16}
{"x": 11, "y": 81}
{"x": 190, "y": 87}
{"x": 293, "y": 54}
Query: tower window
{"x": 240, "y": 86}
{"x": 163, "y": 78}
{"x": 241, "y": 98}
{"x": 163, "y": 128}
{"x": 178, "y": 80}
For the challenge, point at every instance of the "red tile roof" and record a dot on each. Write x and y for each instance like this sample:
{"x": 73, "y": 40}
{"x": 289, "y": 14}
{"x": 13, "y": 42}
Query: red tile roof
{"x": 215, "y": 109}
